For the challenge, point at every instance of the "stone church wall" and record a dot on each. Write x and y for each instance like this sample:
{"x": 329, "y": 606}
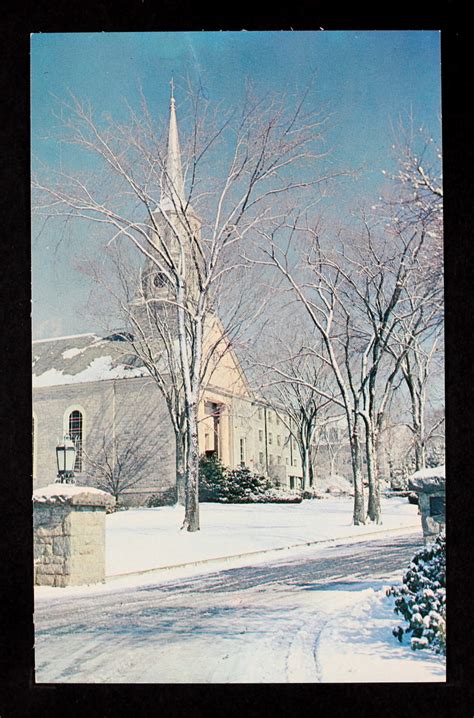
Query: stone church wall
{"x": 130, "y": 410}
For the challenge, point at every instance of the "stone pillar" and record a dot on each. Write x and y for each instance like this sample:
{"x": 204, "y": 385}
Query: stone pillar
{"x": 429, "y": 484}
{"x": 69, "y": 534}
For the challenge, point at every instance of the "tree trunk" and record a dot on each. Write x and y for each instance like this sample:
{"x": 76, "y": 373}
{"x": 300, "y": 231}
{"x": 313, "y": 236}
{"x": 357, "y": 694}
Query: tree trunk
{"x": 373, "y": 508}
{"x": 310, "y": 468}
{"x": 420, "y": 454}
{"x": 417, "y": 412}
{"x": 191, "y": 512}
{"x": 359, "y": 513}
{"x": 306, "y": 468}
{"x": 180, "y": 468}
{"x": 419, "y": 435}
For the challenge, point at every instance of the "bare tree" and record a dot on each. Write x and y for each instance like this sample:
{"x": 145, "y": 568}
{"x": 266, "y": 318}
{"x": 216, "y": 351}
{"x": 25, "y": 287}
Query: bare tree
{"x": 290, "y": 383}
{"x": 147, "y": 335}
{"x": 238, "y": 169}
{"x": 417, "y": 371}
{"x": 121, "y": 462}
{"x": 355, "y": 292}
{"x": 125, "y": 454}
{"x": 318, "y": 287}
{"x": 329, "y": 444}
{"x": 419, "y": 204}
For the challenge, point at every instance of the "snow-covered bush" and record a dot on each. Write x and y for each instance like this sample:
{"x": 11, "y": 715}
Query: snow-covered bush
{"x": 244, "y": 486}
{"x": 422, "y": 598}
{"x": 211, "y": 478}
{"x": 435, "y": 456}
{"x": 311, "y": 494}
{"x": 237, "y": 486}
{"x": 333, "y": 484}
{"x": 278, "y": 496}
{"x": 164, "y": 498}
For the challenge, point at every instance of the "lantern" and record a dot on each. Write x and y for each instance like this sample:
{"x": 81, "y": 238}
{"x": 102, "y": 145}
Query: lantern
{"x": 66, "y": 458}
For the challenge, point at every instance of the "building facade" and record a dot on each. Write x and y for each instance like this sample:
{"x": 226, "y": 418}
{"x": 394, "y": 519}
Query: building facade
{"x": 84, "y": 387}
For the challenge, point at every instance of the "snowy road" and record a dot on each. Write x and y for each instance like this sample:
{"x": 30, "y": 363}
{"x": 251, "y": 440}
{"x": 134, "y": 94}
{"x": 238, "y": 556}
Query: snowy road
{"x": 254, "y": 624}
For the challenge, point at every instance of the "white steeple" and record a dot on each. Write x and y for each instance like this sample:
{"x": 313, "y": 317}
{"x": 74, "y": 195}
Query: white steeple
{"x": 172, "y": 196}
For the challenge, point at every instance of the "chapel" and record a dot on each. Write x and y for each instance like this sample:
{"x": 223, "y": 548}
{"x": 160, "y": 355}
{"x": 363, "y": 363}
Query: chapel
{"x": 94, "y": 389}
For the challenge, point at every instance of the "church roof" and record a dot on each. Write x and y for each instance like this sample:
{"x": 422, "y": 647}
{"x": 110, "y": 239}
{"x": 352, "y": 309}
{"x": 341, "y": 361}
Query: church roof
{"x": 83, "y": 358}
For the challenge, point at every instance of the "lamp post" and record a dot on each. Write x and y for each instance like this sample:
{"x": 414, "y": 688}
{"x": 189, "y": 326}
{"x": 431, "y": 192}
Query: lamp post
{"x": 65, "y": 458}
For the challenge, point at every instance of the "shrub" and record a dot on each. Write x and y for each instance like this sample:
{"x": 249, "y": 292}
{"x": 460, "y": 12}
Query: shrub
{"x": 244, "y": 486}
{"x": 237, "y": 486}
{"x": 211, "y": 478}
{"x": 422, "y": 599}
{"x": 164, "y": 498}
{"x": 311, "y": 494}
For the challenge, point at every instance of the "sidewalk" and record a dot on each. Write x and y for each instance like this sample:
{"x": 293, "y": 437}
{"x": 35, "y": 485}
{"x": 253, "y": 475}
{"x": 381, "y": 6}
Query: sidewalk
{"x": 144, "y": 540}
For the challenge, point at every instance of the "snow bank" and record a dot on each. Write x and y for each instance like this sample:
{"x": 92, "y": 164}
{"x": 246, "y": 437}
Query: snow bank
{"x": 144, "y": 539}
{"x": 333, "y": 482}
{"x": 357, "y": 646}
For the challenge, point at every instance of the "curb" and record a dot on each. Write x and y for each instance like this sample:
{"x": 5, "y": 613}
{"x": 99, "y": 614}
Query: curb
{"x": 261, "y": 552}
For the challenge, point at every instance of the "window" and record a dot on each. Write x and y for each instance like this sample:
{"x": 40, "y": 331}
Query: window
{"x": 278, "y": 459}
{"x": 270, "y": 458}
{"x": 260, "y": 458}
{"x": 278, "y": 440}
{"x": 242, "y": 452}
{"x": 270, "y": 438}
{"x": 287, "y": 461}
{"x": 75, "y": 431}
{"x": 260, "y": 414}
{"x": 437, "y": 505}
{"x": 278, "y": 420}
{"x": 295, "y": 462}
{"x": 159, "y": 280}
{"x": 260, "y": 435}
{"x": 270, "y": 417}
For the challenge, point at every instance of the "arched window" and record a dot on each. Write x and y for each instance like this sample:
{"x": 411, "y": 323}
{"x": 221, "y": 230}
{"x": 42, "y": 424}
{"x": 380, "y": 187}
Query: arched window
{"x": 159, "y": 280}
{"x": 75, "y": 431}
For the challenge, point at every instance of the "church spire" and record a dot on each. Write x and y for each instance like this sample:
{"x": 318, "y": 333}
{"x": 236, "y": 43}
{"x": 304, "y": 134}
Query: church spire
{"x": 173, "y": 183}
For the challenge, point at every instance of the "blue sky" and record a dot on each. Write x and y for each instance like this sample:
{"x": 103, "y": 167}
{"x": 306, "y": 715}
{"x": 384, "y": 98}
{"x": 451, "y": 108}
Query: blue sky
{"x": 365, "y": 79}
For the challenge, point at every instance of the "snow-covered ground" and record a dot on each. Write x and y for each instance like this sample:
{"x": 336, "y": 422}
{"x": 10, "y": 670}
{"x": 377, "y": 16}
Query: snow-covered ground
{"x": 145, "y": 539}
{"x": 311, "y": 613}
{"x": 357, "y": 646}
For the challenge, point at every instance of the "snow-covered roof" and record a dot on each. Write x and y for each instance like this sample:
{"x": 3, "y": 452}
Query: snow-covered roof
{"x": 83, "y": 358}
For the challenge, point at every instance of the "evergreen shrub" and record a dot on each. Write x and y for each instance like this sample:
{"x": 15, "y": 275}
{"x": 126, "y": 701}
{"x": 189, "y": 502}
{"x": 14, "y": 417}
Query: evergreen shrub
{"x": 237, "y": 486}
{"x": 211, "y": 478}
{"x": 422, "y": 599}
{"x": 311, "y": 494}
{"x": 164, "y": 498}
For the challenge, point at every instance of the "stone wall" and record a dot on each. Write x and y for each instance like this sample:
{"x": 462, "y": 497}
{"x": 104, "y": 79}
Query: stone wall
{"x": 69, "y": 535}
{"x": 432, "y": 525}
